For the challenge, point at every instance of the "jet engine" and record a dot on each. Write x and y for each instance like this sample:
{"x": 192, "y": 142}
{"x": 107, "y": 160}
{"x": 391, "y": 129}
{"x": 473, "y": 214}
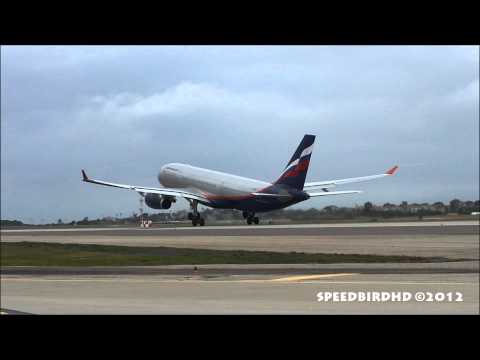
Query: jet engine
{"x": 156, "y": 201}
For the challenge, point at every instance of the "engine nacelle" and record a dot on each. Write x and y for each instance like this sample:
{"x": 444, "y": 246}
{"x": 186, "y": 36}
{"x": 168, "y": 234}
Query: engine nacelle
{"x": 156, "y": 201}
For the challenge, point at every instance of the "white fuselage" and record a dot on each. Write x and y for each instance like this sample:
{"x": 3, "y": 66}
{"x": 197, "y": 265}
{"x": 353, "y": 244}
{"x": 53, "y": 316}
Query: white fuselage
{"x": 185, "y": 176}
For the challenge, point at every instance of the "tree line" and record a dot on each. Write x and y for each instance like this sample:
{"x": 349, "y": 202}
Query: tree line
{"x": 331, "y": 212}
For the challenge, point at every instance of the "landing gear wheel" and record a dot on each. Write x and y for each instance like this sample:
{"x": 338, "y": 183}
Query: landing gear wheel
{"x": 249, "y": 221}
{"x": 256, "y": 220}
{"x": 194, "y": 215}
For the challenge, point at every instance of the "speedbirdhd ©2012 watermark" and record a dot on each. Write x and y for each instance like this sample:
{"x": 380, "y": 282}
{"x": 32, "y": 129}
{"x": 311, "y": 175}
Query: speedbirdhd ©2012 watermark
{"x": 389, "y": 296}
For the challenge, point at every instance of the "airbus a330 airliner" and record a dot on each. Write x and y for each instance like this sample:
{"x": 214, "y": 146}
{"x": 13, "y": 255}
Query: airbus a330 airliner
{"x": 225, "y": 191}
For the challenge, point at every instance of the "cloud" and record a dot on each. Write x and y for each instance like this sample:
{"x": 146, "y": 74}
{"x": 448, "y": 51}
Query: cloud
{"x": 123, "y": 112}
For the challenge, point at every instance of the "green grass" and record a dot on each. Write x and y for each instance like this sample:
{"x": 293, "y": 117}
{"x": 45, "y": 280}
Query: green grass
{"x": 50, "y": 254}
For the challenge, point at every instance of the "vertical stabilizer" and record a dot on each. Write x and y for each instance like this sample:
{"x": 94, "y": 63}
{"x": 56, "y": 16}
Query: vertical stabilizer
{"x": 296, "y": 170}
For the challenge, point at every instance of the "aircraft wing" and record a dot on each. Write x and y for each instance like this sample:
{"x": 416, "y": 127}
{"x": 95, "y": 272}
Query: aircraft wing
{"x": 332, "y": 183}
{"x": 147, "y": 190}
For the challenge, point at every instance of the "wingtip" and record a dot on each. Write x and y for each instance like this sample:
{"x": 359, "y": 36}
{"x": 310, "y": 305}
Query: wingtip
{"x": 392, "y": 170}
{"x": 84, "y": 175}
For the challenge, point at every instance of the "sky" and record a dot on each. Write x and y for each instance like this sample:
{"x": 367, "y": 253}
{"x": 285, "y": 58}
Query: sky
{"x": 122, "y": 112}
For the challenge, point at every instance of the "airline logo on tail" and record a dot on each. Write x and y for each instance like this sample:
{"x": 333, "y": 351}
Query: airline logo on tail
{"x": 302, "y": 166}
{"x": 297, "y": 165}
{"x": 296, "y": 169}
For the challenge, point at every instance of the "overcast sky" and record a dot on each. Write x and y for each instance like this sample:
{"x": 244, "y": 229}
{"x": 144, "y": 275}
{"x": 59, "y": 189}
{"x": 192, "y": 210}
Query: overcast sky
{"x": 123, "y": 112}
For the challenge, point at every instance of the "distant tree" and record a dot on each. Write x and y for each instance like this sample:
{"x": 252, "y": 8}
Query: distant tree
{"x": 467, "y": 207}
{"x": 455, "y": 205}
{"x": 367, "y": 207}
{"x": 84, "y": 221}
{"x": 404, "y": 208}
{"x": 331, "y": 209}
{"x": 11, "y": 222}
{"x": 59, "y": 222}
{"x": 311, "y": 213}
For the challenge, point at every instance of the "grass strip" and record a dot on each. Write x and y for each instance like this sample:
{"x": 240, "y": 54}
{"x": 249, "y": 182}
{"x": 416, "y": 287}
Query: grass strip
{"x": 55, "y": 254}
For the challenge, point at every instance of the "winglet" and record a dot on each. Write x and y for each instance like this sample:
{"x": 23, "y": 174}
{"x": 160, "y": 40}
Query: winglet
{"x": 392, "y": 170}
{"x": 85, "y": 177}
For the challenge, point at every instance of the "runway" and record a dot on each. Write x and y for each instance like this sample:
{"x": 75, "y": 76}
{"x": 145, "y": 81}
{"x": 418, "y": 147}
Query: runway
{"x": 459, "y": 240}
{"x": 359, "y": 229}
{"x": 226, "y": 270}
{"x": 253, "y": 289}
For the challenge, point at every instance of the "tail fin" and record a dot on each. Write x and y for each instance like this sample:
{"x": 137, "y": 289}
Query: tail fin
{"x": 296, "y": 170}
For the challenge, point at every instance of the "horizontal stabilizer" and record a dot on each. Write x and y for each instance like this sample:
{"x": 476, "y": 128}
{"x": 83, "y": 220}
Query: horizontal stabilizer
{"x": 271, "y": 195}
{"x": 326, "y": 193}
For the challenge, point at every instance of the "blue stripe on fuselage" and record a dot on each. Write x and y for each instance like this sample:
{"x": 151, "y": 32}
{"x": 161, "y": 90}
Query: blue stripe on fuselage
{"x": 262, "y": 203}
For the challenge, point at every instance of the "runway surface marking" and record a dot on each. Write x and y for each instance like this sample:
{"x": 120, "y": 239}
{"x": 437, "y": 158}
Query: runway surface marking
{"x": 311, "y": 277}
{"x": 271, "y": 281}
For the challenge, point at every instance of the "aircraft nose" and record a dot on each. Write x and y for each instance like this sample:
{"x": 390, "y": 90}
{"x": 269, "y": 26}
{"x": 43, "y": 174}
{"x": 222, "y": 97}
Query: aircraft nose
{"x": 161, "y": 173}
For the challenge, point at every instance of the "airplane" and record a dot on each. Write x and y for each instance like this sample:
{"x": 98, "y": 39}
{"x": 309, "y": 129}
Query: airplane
{"x": 226, "y": 191}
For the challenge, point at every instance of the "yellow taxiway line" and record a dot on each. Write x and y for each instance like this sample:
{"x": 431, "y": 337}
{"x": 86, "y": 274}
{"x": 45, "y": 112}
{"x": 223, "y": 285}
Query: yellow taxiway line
{"x": 311, "y": 277}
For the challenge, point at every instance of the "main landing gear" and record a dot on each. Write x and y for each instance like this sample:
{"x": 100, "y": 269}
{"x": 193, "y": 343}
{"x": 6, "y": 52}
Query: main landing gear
{"x": 196, "y": 219}
{"x": 251, "y": 218}
{"x": 195, "y": 215}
